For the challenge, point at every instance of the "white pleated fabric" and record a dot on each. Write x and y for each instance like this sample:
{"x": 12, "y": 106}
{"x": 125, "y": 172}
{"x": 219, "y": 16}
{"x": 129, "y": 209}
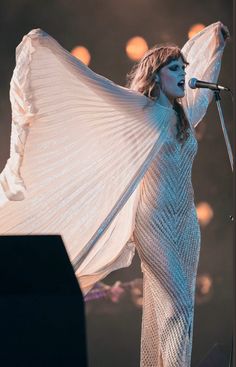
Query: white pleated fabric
{"x": 80, "y": 146}
{"x": 204, "y": 53}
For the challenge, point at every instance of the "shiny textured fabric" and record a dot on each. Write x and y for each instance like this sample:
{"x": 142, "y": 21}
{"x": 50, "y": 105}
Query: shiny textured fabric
{"x": 168, "y": 242}
{"x": 100, "y": 165}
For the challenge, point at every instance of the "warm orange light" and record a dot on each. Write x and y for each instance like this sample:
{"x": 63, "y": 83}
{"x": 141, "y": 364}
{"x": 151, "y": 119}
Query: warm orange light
{"x": 82, "y": 53}
{"x": 204, "y": 283}
{"x": 136, "y": 47}
{"x": 204, "y": 288}
{"x": 195, "y": 29}
{"x": 204, "y": 213}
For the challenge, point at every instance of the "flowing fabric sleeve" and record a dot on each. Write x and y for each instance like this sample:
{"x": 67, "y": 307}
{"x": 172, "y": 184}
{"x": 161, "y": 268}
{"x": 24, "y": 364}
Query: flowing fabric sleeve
{"x": 80, "y": 145}
{"x": 203, "y": 52}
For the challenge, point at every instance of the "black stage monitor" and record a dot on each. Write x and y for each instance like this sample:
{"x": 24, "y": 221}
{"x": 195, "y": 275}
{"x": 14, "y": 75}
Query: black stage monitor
{"x": 41, "y": 305}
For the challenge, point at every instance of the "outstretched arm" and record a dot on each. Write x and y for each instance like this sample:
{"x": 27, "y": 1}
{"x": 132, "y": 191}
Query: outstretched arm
{"x": 203, "y": 52}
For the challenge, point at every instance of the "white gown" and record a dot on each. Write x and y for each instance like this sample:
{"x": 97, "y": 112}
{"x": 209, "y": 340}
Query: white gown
{"x": 167, "y": 236}
{"x": 96, "y": 163}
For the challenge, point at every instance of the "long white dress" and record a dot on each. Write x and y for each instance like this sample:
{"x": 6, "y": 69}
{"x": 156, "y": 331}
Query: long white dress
{"x": 168, "y": 241}
{"x": 97, "y": 163}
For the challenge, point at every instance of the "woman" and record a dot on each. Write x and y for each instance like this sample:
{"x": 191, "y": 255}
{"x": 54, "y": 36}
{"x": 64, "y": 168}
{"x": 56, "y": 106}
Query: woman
{"x": 99, "y": 163}
{"x": 167, "y": 231}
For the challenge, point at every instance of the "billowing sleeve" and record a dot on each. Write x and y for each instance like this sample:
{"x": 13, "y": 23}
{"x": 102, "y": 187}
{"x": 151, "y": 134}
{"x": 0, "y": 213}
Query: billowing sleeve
{"x": 80, "y": 144}
{"x": 203, "y": 53}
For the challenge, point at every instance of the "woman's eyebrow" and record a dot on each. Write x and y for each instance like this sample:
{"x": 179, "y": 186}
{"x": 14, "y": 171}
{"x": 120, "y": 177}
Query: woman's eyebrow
{"x": 175, "y": 63}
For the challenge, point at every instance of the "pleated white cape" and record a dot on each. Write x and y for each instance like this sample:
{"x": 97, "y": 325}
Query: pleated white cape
{"x": 80, "y": 146}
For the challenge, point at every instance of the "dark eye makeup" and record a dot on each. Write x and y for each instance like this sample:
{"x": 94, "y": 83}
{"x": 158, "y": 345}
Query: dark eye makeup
{"x": 175, "y": 67}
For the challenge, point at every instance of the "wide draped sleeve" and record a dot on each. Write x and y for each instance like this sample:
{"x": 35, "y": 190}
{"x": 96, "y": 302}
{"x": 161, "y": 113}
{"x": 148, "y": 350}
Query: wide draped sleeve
{"x": 80, "y": 144}
{"x": 203, "y": 53}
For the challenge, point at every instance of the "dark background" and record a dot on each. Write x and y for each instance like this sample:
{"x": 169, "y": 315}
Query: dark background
{"x": 104, "y": 27}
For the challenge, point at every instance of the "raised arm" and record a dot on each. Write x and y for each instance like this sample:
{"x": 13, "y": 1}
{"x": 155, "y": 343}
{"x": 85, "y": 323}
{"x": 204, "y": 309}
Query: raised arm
{"x": 203, "y": 52}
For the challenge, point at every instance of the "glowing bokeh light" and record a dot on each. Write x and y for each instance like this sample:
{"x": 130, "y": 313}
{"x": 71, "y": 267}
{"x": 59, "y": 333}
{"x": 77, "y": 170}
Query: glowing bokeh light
{"x": 195, "y": 29}
{"x": 204, "y": 283}
{"x": 204, "y": 213}
{"x": 204, "y": 288}
{"x": 136, "y": 47}
{"x": 82, "y": 53}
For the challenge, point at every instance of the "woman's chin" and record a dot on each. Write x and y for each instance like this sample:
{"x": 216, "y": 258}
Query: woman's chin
{"x": 181, "y": 95}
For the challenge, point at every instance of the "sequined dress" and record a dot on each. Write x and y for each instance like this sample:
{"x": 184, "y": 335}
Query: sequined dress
{"x": 168, "y": 242}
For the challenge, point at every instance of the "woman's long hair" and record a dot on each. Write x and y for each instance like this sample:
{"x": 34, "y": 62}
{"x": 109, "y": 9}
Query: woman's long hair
{"x": 142, "y": 79}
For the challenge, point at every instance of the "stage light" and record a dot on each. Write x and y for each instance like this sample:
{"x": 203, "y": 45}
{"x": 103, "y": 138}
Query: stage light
{"x": 136, "y": 47}
{"x": 195, "y": 29}
{"x": 82, "y": 53}
{"x": 204, "y": 213}
{"x": 204, "y": 288}
{"x": 204, "y": 283}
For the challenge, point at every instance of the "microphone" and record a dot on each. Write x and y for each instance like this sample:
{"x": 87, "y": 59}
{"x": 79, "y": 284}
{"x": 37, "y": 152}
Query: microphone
{"x": 194, "y": 83}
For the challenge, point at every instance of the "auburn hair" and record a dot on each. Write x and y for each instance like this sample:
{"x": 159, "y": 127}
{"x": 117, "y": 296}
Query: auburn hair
{"x": 142, "y": 79}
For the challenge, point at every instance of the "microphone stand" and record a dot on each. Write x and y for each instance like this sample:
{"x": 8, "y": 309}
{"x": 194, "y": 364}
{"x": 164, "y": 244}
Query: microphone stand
{"x": 229, "y": 150}
{"x": 217, "y": 99}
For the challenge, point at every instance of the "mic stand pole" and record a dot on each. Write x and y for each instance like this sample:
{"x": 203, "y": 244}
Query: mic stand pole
{"x": 217, "y": 99}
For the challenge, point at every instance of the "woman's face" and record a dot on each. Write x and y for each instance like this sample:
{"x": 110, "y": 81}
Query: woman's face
{"x": 172, "y": 79}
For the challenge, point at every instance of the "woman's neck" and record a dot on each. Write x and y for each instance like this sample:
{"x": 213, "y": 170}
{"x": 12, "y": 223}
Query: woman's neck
{"x": 165, "y": 101}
